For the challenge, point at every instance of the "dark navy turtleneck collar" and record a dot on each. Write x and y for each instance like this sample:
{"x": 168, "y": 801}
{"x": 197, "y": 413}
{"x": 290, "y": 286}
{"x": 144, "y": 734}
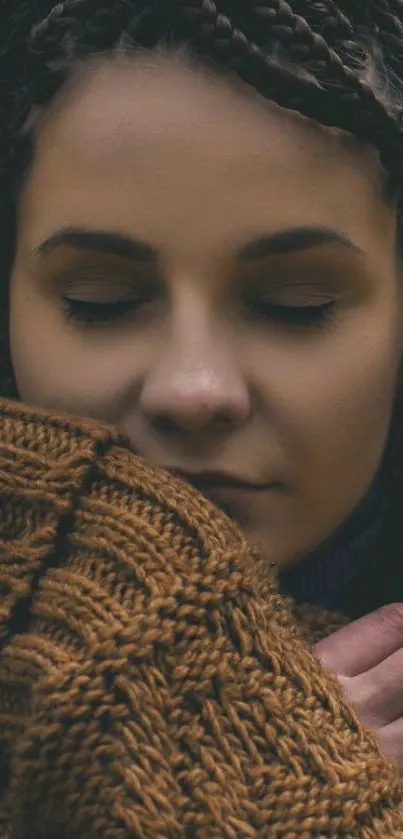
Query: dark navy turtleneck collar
{"x": 325, "y": 578}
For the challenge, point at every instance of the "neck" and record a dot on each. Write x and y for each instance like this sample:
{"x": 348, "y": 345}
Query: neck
{"x": 326, "y": 576}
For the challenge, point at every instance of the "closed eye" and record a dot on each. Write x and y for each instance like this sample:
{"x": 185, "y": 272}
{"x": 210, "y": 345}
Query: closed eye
{"x": 90, "y": 311}
{"x": 294, "y": 315}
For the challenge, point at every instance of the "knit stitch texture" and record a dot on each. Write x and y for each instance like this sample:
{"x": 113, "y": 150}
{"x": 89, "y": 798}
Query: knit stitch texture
{"x": 153, "y": 684}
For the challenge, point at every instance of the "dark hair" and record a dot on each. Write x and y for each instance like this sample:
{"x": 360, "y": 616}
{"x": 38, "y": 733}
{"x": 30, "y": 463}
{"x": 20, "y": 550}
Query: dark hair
{"x": 340, "y": 64}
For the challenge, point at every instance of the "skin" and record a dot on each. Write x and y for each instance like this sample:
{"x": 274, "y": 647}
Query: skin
{"x": 367, "y": 658}
{"x": 197, "y": 169}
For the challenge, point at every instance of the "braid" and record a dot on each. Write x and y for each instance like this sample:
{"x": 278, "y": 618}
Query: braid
{"x": 212, "y": 32}
{"x": 321, "y": 36}
{"x": 386, "y": 16}
{"x": 46, "y": 24}
{"x": 277, "y": 17}
{"x": 327, "y": 18}
{"x": 395, "y": 6}
{"x": 102, "y": 24}
{"x": 355, "y": 109}
{"x": 389, "y": 23}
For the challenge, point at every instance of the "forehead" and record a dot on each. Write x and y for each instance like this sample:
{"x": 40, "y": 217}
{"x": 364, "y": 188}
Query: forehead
{"x": 136, "y": 133}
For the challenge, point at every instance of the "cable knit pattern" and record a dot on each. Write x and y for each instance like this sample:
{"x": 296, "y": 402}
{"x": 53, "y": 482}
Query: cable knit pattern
{"x": 153, "y": 684}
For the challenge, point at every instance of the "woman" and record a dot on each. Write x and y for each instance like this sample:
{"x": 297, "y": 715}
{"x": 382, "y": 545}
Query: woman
{"x": 201, "y": 212}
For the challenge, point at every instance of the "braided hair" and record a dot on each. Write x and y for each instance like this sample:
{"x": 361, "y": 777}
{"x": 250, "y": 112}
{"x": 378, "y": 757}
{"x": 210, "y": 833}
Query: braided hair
{"x": 339, "y": 63}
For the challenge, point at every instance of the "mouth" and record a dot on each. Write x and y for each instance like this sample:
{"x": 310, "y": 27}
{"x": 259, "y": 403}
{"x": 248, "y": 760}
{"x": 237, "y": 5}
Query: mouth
{"x": 233, "y": 494}
{"x": 214, "y": 482}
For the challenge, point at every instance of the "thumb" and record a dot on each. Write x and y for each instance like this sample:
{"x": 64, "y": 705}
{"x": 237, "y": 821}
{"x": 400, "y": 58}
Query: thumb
{"x": 363, "y": 644}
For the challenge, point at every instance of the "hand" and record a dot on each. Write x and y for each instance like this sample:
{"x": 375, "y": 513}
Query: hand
{"x": 367, "y": 658}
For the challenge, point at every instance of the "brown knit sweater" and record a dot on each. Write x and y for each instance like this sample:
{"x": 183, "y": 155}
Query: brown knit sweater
{"x": 153, "y": 685}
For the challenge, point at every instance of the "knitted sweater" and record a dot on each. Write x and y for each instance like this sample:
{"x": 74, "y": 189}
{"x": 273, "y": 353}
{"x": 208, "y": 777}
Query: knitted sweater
{"x": 153, "y": 683}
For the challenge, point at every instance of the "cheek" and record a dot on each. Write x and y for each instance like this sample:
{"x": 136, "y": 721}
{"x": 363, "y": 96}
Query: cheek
{"x": 333, "y": 395}
{"x": 55, "y": 368}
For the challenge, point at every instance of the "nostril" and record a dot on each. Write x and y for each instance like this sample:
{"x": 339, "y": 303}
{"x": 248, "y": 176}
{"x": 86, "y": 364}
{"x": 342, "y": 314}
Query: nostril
{"x": 165, "y": 426}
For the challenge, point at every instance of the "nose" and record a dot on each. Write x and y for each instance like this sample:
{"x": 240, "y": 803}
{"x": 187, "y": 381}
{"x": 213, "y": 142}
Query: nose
{"x": 195, "y": 386}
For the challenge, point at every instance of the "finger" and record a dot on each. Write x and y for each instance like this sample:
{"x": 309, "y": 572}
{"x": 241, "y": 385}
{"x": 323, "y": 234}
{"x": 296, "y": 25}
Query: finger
{"x": 390, "y": 740}
{"x": 363, "y": 644}
{"x": 379, "y": 692}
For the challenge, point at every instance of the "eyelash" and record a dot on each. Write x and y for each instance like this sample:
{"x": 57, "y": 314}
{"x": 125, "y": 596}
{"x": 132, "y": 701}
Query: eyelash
{"x": 294, "y": 315}
{"x": 84, "y": 311}
{"x": 89, "y": 311}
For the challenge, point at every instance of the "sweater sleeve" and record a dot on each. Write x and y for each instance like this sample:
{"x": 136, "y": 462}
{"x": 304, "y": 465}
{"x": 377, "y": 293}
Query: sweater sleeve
{"x": 153, "y": 684}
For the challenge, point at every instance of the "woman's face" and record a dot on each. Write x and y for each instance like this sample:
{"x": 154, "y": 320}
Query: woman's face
{"x": 217, "y": 277}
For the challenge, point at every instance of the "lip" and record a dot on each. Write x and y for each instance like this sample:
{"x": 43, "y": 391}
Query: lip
{"x": 218, "y": 481}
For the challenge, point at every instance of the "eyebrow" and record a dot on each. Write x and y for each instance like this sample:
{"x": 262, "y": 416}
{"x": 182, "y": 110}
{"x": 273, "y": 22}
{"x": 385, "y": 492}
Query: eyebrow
{"x": 293, "y": 240}
{"x": 100, "y": 241}
{"x": 109, "y": 242}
